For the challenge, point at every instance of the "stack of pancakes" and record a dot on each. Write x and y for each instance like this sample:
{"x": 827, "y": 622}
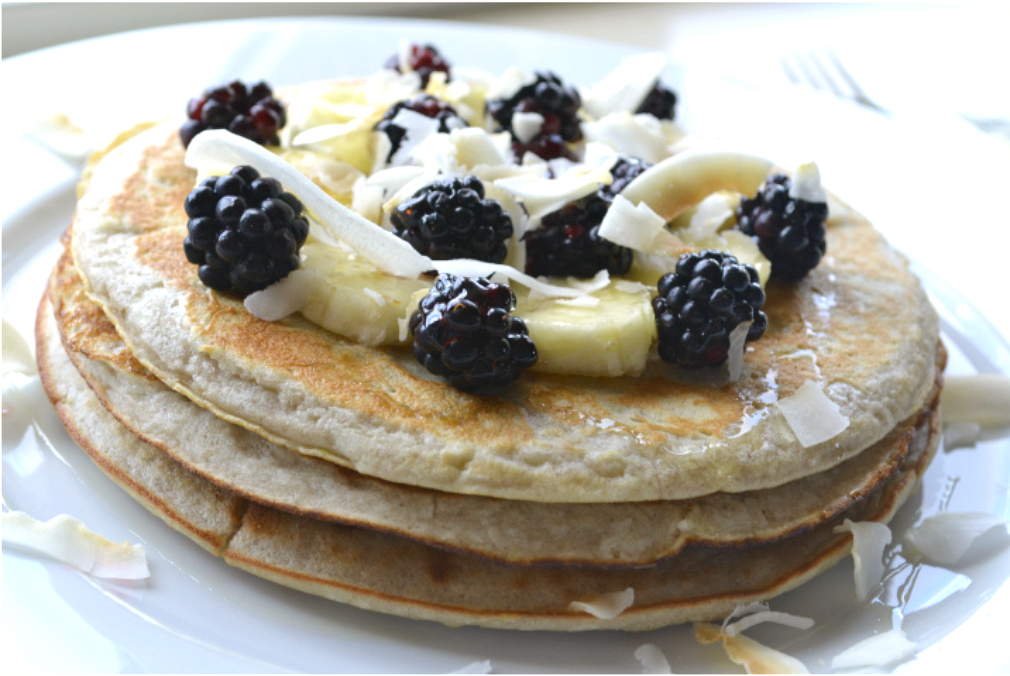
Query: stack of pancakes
{"x": 343, "y": 470}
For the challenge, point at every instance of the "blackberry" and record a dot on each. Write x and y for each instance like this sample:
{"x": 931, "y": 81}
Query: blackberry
{"x": 251, "y": 112}
{"x": 558, "y": 104}
{"x": 790, "y": 232}
{"x": 659, "y": 103}
{"x": 423, "y": 60}
{"x": 699, "y": 305}
{"x": 451, "y": 219}
{"x": 568, "y": 241}
{"x": 244, "y": 231}
{"x": 429, "y": 106}
{"x": 463, "y": 332}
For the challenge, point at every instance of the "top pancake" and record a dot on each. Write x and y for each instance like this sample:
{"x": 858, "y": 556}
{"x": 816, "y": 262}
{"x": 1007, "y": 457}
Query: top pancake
{"x": 859, "y": 324}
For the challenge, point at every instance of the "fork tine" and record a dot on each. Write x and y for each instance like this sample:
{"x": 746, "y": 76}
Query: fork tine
{"x": 826, "y": 76}
{"x": 790, "y": 73}
{"x": 857, "y": 92}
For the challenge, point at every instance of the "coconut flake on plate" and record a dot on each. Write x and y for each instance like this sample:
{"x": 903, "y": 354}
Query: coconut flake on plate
{"x": 69, "y": 541}
{"x": 17, "y": 356}
{"x": 62, "y": 136}
{"x": 216, "y": 148}
{"x": 806, "y": 184}
{"x": 776, "y": 617}
{"x": 868, "y": 541}
{"x": 755, "y": 657}
{"x": 652, "y": 659}
{"x": 625, "y": 87}
{"x": 811, "y": 415}
{"x": 281, "y": 298}
{"x": 945, "y": 537}
{"x": 482, "y": 667}
{"x": 882, "y": 650}
{"x": 982, "y": 399}
{"x": 605, "y": 606}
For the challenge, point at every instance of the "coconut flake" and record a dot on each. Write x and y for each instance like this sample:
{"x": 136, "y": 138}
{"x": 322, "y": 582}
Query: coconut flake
{"x": 527, "y": 125}
{"x": 945, "y": 537}
{"x": 605, "y": 606}
{"x": 217, "y": 147}
{"x": 708, "y": 218}
{"x": 64, "y": 137}
{"x": 629, "y": 286}
{"x": 882, "y": 650}
{"x": 811, "y": 415}
{"x": 326, "y": 132}
{"x": 367, "y": 200}
{"x": 468, "y": 267}
{"x": 652, "y": 659}
{"x": 625, "y": 87}
{"x": 794, "y": 621}
{"x": 379, "y": 299}
{"x": 542, "y": 195}
{"x": 17, "y": 356}
{"x": 635, "y": 227}
{"x": 483, "y": 667}
{"x": 806, "y": 184}
{"x": 416, "y": 128}
{"x": 509, "y": 83}
{"x": 751, "y": 655}
{"x": 737, "y": 346}
{"x": 282, "y": 298}
{"x": 584, "y": 301}
{"x": 961, "y": 435}
{"x": 69, "y": 541}
{"x": 868, "y": 541}
{"x": 475, "y": 147}
{"x": 633, "y": 135}
{"x": 982, "y": 399}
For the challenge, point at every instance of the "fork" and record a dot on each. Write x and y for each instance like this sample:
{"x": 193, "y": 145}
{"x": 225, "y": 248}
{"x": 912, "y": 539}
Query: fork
{"x": 827, "y": 73}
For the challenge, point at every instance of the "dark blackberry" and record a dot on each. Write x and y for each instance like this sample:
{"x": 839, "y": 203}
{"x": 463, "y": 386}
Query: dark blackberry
{"x": 790, "y": 232}
{"x": 699, "y": 305}
{"x": 659, "y": 103}
{"x": 463, "y": 332}
{"x": 244, "y": 231}
{"x": 423, "y": 60}
{"x": 451, "y": 219}
{"x": 549, "y": 97}
{"x": 251, "y": 112}
{"x": 568, "y": 241}
{"x": 429, "y": 106}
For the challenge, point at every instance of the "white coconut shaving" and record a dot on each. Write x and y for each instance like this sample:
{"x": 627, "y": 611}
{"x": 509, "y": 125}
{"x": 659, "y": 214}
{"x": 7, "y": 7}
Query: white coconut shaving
{"x": 69, "y": 541}
{"x": 327, "y": 132}
{"x": 945, "y": 537}
{"x": 773, "y": 616}
{"x": 416, "y": 128}
{"x": 963, "y": 434}
{"x": 541, "y": 195}
{"x": 709, "y": 217}
{"x": 468, "y": 267}
{"x": 806, "y": 184}
{"x": 214, "y": 149}
{"x": 632, "y": 135}
{"x": 584, "y": 301}
{"x": 629, "y": 286}
{"x": 737, "y": 347}
{"x": 652, "y": 659}
{"x": 625, "y": 87}
{"x": 282, "y": 298}
{"x": 527, "y": 125}
{"x": 811, "y": 415}
{"x": 63, "y": 136}
{"x": 366, "y": 200}
{"x": 635, "y": 227}
{"x": 882, "y": 650}
{"x": 868, "y": 541}
{"x": 982, "y": 399}
{"x": 755, "y": 657}
{"x": 379, "y": 299}
{"x": 605, "y": 606}
{"x": 17, "y": 356}
{"x": 509, "y": 83}
{"x": 482, "y": 667}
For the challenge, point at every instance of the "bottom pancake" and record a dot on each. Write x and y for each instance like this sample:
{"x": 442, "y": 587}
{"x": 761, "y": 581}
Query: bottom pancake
{"x": 393, "y": 574}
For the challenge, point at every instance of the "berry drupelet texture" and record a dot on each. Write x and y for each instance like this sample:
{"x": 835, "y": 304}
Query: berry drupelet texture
{"x": 451, "y": 219}
{"x": 659, "y": 103}
{"x": 790, "y": 232}
{"x": 447, "y": 117}
{"x": 550, "y": 98}
{"x": 250, "y": 112}
{"x": 699, "y": 305}
{"x": 463, "y": 332}
{"x": 244, "y": 231}
{"x": 423, "y": 60}
{"x": 568, "y": 242}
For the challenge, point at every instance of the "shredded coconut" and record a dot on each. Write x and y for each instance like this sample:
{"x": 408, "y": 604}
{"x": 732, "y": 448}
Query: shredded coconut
{"x": 605, "y": 606}
{"x": 868, "y": 541}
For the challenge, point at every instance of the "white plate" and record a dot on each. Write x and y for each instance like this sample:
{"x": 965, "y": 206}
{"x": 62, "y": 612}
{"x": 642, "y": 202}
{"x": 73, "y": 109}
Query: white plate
{"x": 198, "y": 614}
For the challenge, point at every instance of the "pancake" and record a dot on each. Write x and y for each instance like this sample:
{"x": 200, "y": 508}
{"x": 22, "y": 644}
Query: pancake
{"x": 859, "y": 323}
{"x": 392, "y": 574}
{"x": 517, "y": 531}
